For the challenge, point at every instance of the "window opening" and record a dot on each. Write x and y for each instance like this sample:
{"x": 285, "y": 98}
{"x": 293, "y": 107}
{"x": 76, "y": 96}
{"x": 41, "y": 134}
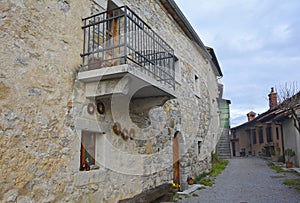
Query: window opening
{"x": 199, "y": 146}
{"x": 87, "y": 151}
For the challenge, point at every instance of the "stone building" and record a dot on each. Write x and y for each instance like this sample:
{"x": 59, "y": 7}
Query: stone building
{"x": 102, "y": 100}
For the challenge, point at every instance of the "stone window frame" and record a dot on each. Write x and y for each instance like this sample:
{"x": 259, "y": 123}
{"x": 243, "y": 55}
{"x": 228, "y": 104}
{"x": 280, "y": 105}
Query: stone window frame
{"x": 177, "y": 67}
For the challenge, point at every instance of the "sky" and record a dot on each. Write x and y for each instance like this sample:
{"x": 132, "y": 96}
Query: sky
{"x": 257, "y": 43}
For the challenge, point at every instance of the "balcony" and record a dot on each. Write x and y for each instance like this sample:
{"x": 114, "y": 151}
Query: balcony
{"x": 122, "y": 53}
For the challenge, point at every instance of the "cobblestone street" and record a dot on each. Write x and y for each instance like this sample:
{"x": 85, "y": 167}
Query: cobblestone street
{"x": 247, "y": 180}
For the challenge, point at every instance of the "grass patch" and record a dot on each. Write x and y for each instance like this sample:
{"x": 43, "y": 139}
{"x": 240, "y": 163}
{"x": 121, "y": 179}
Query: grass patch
{"x": 195, "y": 195}
{"x": 186, "y": 196}
{"x": 207, "y": 182}
{"x": 292, "y": 182}
{"x": 218, "y": 165}
{"x": 218, "y": 168}
{"x": 276, "y": 168}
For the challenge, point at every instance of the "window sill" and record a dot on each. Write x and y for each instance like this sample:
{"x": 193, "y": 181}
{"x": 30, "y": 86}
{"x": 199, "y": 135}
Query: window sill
{"x": 91, "y": 176}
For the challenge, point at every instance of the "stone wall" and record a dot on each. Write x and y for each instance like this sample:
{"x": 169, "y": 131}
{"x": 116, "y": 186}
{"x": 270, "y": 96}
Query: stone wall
{"x": 43, "y": 106}
{"x": 40, "y": 46}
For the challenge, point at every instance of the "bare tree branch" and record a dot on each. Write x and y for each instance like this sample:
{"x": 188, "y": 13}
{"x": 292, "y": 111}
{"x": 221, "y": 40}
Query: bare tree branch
{"x": 289, "y": 101}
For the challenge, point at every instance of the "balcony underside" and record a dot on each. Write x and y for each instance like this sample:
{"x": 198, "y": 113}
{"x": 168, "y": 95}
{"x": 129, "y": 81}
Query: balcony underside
{"x": 126, "y": 79}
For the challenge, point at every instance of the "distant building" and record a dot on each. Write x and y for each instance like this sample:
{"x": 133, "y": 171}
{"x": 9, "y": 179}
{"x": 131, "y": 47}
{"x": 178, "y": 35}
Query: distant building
{"x": 267, "y": 134}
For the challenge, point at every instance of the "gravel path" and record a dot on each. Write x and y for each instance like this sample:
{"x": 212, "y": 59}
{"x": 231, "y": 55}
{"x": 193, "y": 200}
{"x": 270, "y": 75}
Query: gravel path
{"x": 247, "y": 180}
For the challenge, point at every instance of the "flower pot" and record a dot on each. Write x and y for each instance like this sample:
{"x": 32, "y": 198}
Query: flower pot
{"x": 191, "y": 181}
{"x": 288, "y": 164}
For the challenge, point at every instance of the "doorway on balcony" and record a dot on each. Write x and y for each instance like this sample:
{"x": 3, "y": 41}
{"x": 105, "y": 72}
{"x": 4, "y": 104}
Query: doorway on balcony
{"x": 113, "y": 37}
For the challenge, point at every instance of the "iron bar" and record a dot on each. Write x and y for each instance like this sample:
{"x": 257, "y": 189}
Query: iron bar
{"x": 120, "y": 36}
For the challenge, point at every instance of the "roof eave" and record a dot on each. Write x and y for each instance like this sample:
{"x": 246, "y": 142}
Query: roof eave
{"x": 179, "y": 17}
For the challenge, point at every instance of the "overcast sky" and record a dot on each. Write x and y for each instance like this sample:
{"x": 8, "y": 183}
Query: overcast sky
{"x": 257, "y": 43}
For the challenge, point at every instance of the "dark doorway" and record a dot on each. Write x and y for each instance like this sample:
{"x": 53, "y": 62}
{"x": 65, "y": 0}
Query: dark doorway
{"x": 176, "y": 172}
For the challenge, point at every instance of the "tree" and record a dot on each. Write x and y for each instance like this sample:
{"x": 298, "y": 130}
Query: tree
{"x": 289, "y": 102}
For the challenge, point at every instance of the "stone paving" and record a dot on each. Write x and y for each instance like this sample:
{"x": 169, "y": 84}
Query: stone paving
{"x": 247, "y": 180}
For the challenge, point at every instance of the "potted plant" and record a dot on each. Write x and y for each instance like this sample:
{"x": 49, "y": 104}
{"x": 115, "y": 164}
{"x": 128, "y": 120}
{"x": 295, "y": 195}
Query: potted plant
{"x": 289, "y": 153}
{"x": 190, "y": 180}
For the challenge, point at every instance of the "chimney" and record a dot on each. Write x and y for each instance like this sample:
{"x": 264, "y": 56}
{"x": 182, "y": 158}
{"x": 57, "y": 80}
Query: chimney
{"x": 251, "y": 115}
{"x": 272, "y": 98}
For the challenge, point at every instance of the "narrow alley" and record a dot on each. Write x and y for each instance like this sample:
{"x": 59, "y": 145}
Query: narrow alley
{"x": 247, "y": 180}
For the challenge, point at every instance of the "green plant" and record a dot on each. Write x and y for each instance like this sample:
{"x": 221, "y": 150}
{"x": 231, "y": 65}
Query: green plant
{"x": 186, "y": 196}
{"x": 207, "y": 182}
{"x": 292, "y": 182}
{"x": 277, "y": 169}
{"x": 215, "y": 158}
{"x": 195, "y": 195}
{"x": 218, "y": 168}
{"x": 201, "y": 176}
{"x": 218, "y": 165}
{"x": 289, "y": 153}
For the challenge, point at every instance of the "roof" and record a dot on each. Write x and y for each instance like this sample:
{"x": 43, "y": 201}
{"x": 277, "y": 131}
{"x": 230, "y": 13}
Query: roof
{"x": 181, "y": 20}
{"x": 276, "y": 113}
{"x": 217, "y": 70}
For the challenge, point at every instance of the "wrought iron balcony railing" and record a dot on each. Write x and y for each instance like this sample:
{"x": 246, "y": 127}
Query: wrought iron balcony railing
{"x": 118, "y": 37}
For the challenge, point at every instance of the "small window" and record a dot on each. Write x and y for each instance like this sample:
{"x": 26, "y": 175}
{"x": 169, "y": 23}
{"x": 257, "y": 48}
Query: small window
{"x": 199, "y": 146}
{"x": 87, "y": 152}
{"x": 197, "y": 86}
{"x": 277, "y": 133}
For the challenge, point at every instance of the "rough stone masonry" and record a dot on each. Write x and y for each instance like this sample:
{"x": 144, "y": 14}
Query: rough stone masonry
{"x": 43, "y": 103}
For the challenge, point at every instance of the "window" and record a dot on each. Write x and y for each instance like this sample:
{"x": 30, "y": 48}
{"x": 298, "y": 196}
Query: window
{"x": 197, "y": 86}
{"x": 277, "y": 133}
{"x": 87, "y": 152}
{"x": 254, "y": 136}
{"x": 269, "y": 134}
{"x": 199, "y": 146}
{"x": 260, "y": 135}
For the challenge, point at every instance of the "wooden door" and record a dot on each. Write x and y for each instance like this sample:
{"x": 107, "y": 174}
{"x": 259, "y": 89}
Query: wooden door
{"x": 176, "y": 172}
{"x": 112, "y": 36}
